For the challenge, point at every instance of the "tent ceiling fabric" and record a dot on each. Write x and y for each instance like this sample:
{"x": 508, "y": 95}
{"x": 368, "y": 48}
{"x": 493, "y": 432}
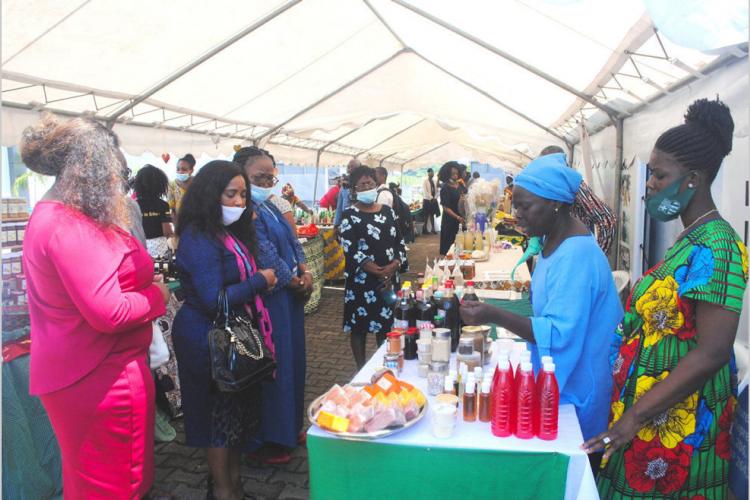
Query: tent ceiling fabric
{"x": 371, "y": 78}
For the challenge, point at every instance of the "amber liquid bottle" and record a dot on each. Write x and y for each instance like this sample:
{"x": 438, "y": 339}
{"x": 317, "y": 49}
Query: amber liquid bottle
{"x": 470, "y": 402}
{"x": 485, "y": 407}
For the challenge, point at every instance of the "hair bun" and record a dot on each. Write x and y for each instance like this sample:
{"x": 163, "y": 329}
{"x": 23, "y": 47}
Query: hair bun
{"x": 715, "y": 118}
{"x": 40, "y": 150}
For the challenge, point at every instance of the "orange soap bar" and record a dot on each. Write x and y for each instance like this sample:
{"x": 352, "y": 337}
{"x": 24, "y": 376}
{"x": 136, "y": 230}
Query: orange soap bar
{"x": 333, "y": 422}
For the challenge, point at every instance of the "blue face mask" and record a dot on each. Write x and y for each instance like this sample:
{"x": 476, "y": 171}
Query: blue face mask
{"x": 367, "y": 197}
{"x": 260, "y": 194}
{"x": 182, "y": 177}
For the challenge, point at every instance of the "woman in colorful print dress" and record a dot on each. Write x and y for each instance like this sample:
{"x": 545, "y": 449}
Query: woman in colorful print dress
{"x": 674, "y": 377}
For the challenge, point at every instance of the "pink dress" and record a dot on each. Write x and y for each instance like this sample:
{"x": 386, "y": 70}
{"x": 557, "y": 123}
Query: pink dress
{"x": 91, "y": 302}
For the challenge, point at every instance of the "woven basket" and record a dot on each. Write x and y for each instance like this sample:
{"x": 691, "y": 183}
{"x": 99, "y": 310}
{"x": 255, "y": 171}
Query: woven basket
{"x": 314, "y": 252}
{"x": 334, "y": 256}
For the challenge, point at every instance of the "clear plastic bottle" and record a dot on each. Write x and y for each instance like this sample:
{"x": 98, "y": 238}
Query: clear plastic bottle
{"x": 470, "y": 401}
{"x": 525, "y": 402}
{"x": 549, "y": 405}
{"x": 484, "y": 401}
{"x": 539, "y": 382}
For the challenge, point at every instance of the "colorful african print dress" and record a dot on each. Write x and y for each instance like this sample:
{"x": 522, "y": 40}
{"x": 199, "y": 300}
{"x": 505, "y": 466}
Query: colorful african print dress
{"x": 684, "y": 451}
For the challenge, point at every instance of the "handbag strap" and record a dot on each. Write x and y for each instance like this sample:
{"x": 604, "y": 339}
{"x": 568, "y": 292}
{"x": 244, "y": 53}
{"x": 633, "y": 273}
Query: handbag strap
{"x": 222, "y": 308}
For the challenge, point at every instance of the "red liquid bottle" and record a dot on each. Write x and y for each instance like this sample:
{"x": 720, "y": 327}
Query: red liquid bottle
{"x": 503, "y": 398}
{"x": 525, "y": 402}
{"x": 539, "y": 382}
{"x": 549, "y": 404}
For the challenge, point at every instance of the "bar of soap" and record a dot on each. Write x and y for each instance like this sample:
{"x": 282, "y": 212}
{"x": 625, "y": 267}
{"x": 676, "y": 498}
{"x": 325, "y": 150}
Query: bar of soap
{"x": 333, "y": 422}
{"x": 381, "y": 420}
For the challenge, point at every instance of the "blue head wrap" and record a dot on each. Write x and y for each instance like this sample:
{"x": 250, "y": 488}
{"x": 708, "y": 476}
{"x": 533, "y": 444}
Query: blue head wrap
{"x": 551, "y": 178}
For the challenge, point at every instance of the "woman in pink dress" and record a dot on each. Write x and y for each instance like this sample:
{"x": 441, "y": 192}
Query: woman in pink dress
{"x": 92, "y": 296}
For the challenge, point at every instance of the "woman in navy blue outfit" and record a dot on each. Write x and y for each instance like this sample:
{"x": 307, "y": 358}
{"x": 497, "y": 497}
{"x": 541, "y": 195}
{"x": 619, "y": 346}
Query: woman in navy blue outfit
{"x": 279, "y": 249}
{"x": 216, "y": 238}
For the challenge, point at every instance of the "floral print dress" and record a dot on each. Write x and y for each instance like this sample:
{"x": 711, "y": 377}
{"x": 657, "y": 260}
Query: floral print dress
{"x": 684, "y": 451}
{"x": 368, "y": 237}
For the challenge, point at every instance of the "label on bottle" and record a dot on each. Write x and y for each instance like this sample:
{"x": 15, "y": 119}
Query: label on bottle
{"x": 424, "y": 325}
{"x": 401, "y": 324}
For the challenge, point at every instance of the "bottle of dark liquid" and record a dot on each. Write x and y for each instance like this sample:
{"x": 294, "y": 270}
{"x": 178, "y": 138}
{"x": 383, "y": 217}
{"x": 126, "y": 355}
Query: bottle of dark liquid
{"x": 405, "y": 314}
{"x": 470, "y": 294}
{"x": 452, "y": 321}
{"x": 425, "y": 313}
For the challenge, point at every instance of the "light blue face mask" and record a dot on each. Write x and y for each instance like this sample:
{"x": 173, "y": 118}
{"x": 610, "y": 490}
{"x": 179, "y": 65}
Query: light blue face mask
{"x": 182, "y": 177}
{"x": 367, "y": 197}
{"x": 260, "y": 194}
{"x": 534, "y": 247}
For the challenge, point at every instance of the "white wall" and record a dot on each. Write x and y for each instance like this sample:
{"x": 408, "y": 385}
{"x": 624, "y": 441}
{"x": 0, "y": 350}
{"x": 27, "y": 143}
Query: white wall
{"x": 641, "y": 131}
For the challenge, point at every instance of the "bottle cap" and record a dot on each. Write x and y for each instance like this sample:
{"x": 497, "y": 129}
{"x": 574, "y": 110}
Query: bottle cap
{"x": 453, "y": 374}
{"x": 463, "y": 368}
{"x": 525, "y": 356}
{"x": 525, "y": 366}
{"x": 503, "y": 363}
{"x": 478, "y": 373}
{"x": 448, "y": 384}
{"x": 549, "y": 367}
{"x": 546, "y": 359}
{"x": 406, "y": 285}
{"x": 420, "y": 294}
{"x": 469, "y": 386}
{"x": 486, "y": 386}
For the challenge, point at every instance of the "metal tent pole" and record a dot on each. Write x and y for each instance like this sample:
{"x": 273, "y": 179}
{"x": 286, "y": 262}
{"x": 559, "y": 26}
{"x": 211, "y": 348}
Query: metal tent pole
{"x": 192, "y": 65}
{"x": 317, "y": 172}
{"x": 390, "y": 137}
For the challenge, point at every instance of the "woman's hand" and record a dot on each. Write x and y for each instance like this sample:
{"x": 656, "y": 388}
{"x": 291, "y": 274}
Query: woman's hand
{"x": 475, "y": 313}
{"x": 159, "y": 282}
{"x": 270, "y": 277}
{"x": 615, "y": 438}
{"x": 371, "y": 268}
{"x": 307, "y": 278}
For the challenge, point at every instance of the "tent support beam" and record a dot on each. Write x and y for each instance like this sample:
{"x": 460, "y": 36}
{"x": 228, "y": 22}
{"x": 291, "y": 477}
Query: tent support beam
{"x": 493, "y": 99}
{"x": 317, "y": 172}
{"x": 323, "y": 99}
{"x": 200, "y": 60}
{"x": 422, "y": 154}
{"x": 390, "y": 137}
{"x": 337, "y": 139}
{"x": 508, "y": 57}
{"x": 386, "y": 157}
{"x": 619, "y": 162}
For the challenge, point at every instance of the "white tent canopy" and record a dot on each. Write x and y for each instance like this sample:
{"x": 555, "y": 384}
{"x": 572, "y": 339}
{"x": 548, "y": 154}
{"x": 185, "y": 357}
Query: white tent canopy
{"x": 391, "y": 81}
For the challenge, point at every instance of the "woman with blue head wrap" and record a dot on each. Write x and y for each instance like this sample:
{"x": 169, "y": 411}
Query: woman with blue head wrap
{"x": 576, "y": 307}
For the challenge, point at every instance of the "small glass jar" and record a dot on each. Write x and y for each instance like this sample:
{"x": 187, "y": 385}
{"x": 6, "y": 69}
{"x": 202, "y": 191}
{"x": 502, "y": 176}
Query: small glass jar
{"x": 394, "y": 342}
{"x": 393, "y": 362}
{"x": 436, "y": 377}
{"x": 423, "y": 369}
{"x": 441, "y": 345}
{"x": 466, "y": 353}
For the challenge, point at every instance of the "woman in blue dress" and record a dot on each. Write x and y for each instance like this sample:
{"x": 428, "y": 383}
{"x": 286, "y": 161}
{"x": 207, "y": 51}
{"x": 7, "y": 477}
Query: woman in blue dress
{"x": 217, "y": 243}
{"x": 279, "y": 249}
{"x": 575, "y": 303}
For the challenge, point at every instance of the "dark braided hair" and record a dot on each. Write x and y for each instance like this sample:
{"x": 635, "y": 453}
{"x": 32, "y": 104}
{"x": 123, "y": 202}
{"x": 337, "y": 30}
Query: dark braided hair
{"x": 244, "y": 154}
{"x": 702, "y": 142}
{"x": 444, "y": 174}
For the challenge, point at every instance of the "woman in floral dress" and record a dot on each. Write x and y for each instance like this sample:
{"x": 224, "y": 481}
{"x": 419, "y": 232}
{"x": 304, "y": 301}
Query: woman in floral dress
{"x": 674, "y": 377}
{"x": 374, "y": 252}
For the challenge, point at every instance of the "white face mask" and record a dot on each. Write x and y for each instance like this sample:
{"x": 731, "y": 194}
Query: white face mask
{"x": 230, "y": 215}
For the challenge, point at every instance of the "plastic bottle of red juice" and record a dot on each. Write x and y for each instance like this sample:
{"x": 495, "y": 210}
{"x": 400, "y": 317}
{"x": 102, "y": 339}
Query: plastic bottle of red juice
{"x": 549, "y": 404}
{"x": 503, "y": 399}
{"x": 525, "y": 402}
{"x": 539, "y": 382}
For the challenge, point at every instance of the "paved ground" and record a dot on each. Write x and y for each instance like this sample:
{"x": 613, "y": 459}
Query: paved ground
{"x": 182, "y": 471}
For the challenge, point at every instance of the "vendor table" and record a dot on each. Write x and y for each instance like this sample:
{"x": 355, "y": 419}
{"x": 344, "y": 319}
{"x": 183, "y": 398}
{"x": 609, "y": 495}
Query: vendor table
{"x": 472, "y": 464}
{"x": 503, "y": 261}
{"x": 334, "y": 255}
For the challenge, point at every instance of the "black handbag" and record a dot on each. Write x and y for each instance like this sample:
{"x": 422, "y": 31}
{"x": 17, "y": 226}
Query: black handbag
{"x": 239, "y": 357}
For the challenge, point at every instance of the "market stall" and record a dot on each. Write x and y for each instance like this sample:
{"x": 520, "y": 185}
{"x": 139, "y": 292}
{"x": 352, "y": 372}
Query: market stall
{"x": 472, "y": 463}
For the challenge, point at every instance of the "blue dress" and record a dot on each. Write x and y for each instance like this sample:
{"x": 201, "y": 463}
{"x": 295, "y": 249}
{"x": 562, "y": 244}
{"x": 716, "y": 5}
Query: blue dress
{"x": 576, "y": 309}
{"x": 284, "y": 398}
{"x": 212, "y": 419}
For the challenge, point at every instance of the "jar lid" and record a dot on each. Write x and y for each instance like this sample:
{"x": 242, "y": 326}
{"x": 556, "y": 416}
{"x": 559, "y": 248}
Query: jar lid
{"x": 439, "y": 366}
{"x": 393, "y": 334}
{"x": 412, "y": 330}
{"x": 391, "y": 356}
{"x": 441, "y": 333}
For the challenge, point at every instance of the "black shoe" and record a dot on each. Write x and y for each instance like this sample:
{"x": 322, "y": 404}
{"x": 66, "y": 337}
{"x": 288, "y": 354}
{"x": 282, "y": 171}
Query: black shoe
{"x": 434, "y": 232}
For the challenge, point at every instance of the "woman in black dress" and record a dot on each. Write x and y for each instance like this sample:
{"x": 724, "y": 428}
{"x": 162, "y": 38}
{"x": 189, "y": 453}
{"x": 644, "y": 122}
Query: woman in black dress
{"x": 449, "y": 198}
{"x": 374, "y": 250}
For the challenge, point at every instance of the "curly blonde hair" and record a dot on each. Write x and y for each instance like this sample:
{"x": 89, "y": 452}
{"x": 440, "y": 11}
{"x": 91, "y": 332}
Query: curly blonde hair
{"x": 85, "y": 158}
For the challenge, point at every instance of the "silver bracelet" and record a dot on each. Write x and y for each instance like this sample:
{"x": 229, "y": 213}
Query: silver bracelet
{"x": 308, "y": 272}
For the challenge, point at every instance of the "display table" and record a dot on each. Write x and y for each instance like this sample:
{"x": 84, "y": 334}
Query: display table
{"x": 472, "y": 464}
{"x": 334, "y": 255}
{"x": 503, "y": 261}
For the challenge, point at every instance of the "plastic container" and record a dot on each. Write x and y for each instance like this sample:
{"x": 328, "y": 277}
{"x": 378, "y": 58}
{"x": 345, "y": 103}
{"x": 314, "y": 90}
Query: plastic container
{"x": 525, "y": 402}
{"x": 484, "y": 401}
{"x": 503, "y": 400}
{"x": 539, "y": 382}
{"x": 549, "y": 404}
{"x": 470, "y": 401}
{"x": 441, "y": 345}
